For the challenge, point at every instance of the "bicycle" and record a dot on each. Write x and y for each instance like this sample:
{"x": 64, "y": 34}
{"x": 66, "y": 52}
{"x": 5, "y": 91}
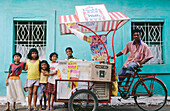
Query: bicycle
{"x": 149, "y": 92}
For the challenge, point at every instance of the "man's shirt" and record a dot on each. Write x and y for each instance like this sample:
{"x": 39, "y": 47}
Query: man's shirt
{"x": 137, "y": 52}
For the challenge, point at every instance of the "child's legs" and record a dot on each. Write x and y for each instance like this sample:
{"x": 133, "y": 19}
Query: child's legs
{"x": 40, "y": 95}
{"x": 35, "y": 88}
{"x": 14, "y": 105}
{"x": 41, "y": 103}
{"x": 52, "y": 100}
{"x": 49, "y": 98}
{"x": 30, "y": 89}
{"x": 44, "y": 99}
{"x": 7, "y": 106}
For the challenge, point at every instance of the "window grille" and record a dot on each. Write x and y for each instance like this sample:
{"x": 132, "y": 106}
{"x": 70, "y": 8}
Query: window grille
{"x": 30, "y": 34}
{"x": 151, "y": 34}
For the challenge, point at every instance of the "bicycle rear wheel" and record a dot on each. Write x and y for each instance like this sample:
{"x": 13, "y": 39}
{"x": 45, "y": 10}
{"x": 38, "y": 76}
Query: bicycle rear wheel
{"x": 83, "y": 100}
{"x": 156, "y": 100}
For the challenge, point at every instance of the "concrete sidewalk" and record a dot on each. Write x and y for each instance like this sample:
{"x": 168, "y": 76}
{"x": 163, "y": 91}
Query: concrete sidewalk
{"x": 115, "y": 105}
{"x": 114, "y": 102}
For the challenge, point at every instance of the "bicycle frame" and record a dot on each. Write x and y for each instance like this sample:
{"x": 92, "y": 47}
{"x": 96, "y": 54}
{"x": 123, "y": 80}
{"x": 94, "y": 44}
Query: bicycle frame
{"x": 140, "y": 79}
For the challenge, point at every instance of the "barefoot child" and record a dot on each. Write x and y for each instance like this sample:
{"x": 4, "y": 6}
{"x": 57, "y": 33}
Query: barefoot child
{"x": 13, "y": 82}
{"x": 44, "y": 68}
{"x": 50, "y": 88}
{"x": 33, "y": 76}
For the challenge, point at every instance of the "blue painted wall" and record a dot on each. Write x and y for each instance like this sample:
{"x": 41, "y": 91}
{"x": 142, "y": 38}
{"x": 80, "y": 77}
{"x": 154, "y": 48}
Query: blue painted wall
{"x": 49, "y": 10}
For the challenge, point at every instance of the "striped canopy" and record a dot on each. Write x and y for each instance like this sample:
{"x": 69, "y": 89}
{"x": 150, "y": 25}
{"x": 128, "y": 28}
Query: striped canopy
{"x": 96, "y": 25}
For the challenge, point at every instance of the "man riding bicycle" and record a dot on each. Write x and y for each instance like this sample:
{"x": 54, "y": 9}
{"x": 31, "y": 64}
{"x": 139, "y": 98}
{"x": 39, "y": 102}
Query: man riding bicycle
{"x": 139, "y": 53}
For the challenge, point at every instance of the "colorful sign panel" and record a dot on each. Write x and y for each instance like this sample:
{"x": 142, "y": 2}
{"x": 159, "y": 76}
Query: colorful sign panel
{"x": 74, "y": 74}
{"x": 70, "y": 67}
{"x": 92, "y": 13}
{"x": 98, "y": 52}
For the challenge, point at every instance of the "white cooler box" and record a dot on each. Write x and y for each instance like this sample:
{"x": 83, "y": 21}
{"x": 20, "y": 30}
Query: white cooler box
{"x": 88, "y": 70}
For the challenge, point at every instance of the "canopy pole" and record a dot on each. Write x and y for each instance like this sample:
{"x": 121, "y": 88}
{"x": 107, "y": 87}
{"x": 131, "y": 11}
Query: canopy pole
{"x": 109, "y": 31}
{"x": 99, "y": 39}
{"x": 117, "y": 24}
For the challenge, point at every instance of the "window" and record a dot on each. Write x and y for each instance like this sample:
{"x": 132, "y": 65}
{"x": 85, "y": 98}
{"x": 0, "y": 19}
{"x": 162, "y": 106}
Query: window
{"x": 152, "y": 35}
{"x": 30, "y": 34}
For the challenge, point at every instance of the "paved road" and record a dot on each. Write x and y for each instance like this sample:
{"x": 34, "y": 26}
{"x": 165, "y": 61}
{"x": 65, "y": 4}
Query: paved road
{"x": 105, "y": 108}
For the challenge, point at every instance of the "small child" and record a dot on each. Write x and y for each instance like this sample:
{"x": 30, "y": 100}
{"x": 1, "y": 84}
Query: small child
{"x": 69, "y": 52}
{"x": 44, "y": 68}
{"x": 13, "y": 82}
{"x": 50, "y": 88}
{"x": 33, "y": 77}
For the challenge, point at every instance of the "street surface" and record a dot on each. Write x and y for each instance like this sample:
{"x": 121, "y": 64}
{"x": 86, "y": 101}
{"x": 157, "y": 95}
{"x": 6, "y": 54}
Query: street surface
{"x": 105, "y": 108}
{"x": 115, "y": 105}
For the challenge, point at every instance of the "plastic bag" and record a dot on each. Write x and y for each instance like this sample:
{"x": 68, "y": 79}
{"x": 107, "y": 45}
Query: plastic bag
{"x": 115, "y": 87}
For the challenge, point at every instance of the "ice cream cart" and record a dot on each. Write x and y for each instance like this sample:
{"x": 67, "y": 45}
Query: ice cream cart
{"x": 88, "y": 83}
{"x": 84, "y": 84}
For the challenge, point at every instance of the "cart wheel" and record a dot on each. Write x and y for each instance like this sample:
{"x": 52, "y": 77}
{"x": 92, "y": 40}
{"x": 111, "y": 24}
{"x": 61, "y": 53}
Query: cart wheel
{"x": 83, "y": 100}
{"x": 156, "y": 100}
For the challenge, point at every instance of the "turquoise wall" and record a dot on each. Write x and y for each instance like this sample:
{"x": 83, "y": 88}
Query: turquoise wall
{"x": 49, "y": 10}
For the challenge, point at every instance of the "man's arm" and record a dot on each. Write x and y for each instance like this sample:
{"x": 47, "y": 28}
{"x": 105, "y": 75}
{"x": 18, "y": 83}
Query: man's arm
{"x": 119, "y": 54}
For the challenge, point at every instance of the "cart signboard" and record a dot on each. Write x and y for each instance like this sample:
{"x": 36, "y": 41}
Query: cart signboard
{"x": 92, "y": 13}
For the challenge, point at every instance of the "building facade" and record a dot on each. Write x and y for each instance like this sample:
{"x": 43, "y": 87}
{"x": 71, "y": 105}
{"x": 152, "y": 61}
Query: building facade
{"x": 34, "y": 23}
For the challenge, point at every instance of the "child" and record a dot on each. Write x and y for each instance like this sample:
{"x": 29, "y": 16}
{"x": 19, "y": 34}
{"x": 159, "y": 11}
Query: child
{"x": 44, "y": 68}
{"x": 33, "y": 76}
{"x": 69, "y": 53}
{"x": 13, "y": 82}
{"x": 50, "y": 88}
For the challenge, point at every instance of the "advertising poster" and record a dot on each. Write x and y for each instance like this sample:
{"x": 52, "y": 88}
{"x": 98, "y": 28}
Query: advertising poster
{"x": 71, "y": 67}
{"x": 98, "y": 52}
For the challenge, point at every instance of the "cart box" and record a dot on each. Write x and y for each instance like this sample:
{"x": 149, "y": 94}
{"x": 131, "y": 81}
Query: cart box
{"x": 86, "y": 70}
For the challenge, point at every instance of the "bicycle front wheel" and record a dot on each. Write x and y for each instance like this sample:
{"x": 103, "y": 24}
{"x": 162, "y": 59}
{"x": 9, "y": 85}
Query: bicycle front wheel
{"x": 83, "y": 100}
{"x": 156, "y": 100}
